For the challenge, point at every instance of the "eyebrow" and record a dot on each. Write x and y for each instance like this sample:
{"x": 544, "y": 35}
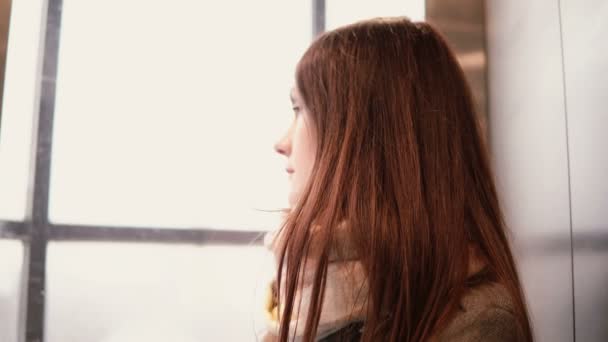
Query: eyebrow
{"x": 292, "y": 98}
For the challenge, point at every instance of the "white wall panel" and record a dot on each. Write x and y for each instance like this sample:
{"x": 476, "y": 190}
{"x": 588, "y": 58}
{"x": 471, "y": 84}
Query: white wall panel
{"x": 527, "y": 131}
{"x": 584, "y": 29}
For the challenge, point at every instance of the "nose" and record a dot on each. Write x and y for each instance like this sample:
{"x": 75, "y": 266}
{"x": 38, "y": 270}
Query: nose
{"x": 283, "y": 146}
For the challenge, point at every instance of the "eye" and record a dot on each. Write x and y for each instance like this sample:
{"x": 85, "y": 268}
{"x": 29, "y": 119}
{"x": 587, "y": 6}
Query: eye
{"x": 296, "y": 110}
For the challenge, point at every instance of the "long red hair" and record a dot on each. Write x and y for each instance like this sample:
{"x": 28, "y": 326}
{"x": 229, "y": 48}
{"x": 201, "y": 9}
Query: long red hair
{"x": 401, "y": 160}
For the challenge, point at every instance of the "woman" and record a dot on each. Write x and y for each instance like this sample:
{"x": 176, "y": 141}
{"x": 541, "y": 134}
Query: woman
{"x": 394, "y": 232}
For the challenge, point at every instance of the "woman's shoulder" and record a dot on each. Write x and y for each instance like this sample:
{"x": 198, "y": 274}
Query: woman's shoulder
{"x": 492, "y": 324}
{"x": 486, "y": 314}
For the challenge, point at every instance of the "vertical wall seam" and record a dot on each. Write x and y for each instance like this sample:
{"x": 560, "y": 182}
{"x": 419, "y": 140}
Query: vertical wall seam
{"x": 561, "y": 41}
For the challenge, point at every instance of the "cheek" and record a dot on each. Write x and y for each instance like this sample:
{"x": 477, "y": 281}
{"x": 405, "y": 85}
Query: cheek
{"x": 303, "y": 149}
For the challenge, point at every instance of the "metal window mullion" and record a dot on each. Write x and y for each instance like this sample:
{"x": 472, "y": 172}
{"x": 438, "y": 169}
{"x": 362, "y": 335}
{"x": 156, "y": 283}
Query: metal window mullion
{"x": 201, "y": 236}
{"x": 12, "y": 230}
{"x": 38, "y": 196}
{"x": 318, "y": 17}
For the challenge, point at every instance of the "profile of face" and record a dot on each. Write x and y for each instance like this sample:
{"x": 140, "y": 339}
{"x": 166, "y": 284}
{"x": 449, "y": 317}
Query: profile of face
{"x": 298, "y": 146}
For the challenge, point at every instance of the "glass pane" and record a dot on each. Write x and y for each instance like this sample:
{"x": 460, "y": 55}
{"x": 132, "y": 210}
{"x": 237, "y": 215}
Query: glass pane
{"x": 168, "y": 116}
{"x": 18, "y": 106}
{"x": 343, "y": 12}
{"x": 124, "y": 292}
{"x": 11, "y": 266}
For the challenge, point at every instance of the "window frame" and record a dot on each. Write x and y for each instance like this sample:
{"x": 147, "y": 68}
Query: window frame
{"x": 35, "y": 231}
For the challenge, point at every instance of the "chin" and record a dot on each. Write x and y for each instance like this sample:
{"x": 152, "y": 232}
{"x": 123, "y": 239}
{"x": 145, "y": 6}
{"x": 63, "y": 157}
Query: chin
{"x": 293, "y": 199}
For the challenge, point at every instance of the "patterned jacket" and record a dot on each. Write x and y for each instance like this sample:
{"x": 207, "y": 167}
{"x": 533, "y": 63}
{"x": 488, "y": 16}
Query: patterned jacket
{"x": 485, "y": 315}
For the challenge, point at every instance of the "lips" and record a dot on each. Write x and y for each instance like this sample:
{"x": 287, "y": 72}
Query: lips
{"x": 289, "y": 170}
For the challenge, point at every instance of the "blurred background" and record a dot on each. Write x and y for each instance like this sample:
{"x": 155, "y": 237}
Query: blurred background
{"x": 137, "y": 172}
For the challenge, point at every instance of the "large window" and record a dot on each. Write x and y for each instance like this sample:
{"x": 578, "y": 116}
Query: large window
{"x": 167, "y": 116}
{"x": 137, "y": 165}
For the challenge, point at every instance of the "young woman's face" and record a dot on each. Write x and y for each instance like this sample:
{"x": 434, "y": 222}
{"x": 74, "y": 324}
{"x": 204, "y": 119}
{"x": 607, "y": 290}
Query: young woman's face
{"x": 298, "y": 145}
